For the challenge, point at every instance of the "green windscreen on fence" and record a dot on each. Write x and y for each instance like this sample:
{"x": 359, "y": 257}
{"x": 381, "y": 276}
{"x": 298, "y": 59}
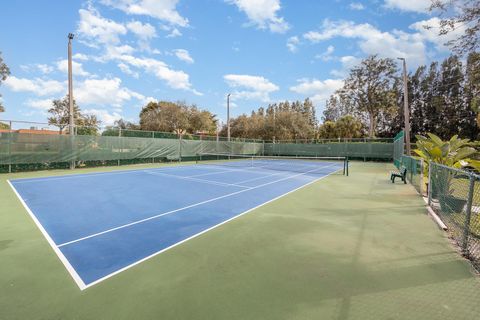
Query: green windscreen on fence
{"x": 415, "y": 172}
{"x": 398, "y": 148}
{"x": 31, "y": 151}
{"x": 26, "y": 148}
{"x": 353, "y": 150}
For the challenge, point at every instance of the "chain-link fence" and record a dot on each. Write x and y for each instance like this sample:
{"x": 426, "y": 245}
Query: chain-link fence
{"x": 455, "y": 196}
{"x": 415, "y": 172}
{"x": 24, "y": 151}
{"x": 26, "y": 146}
{"x": 353, "y": 150}
{"x": 16, "y": 126}
{"x": 335, "y": 140}
{"x": 398, "y": 148}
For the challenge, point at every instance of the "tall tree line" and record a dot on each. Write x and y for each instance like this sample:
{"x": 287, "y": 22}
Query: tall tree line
{"x": 278, "y": 121}
{"x": 443, "y": 97}
{"x": 177, "y": 117}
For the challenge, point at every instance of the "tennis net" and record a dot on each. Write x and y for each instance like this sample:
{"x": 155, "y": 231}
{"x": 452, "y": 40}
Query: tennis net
{"x": 320, "y": 165}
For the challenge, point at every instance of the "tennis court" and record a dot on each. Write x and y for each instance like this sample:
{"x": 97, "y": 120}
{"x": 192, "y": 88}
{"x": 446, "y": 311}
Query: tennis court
{"x": 337, "y": 248}
{"x": 100, "y": 224}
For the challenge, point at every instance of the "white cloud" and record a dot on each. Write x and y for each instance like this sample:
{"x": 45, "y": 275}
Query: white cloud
{"x": 327, "y": 55}
{"x": 318, "y": 90}
{"x": 93, "y": 26}
{"x": 40, "y": 104}
{"x": 42, "y": 68}
{"x": 409, "y": 5}
{"x": 126, "y": 69}
{"x": 347, "y": 29}
{"x": 164, "y": 10}
{"x": 250, "y": 87}
{"x": 127, "y": 63}
{"x": 263, "y": 14}
{"x": 174, "y": 33}
{"x": 113, "y": 52}
{"x": 77, "y": 68}
{"x": 105, "y": 34}
{"x": 40, "y": 87}
{"x": 292, "y": 43}
{"x": 348, "y": 62}
{"x": 373, "y": 41}
{"x": 183, "y": 55}
{"x": 143, "y": 31}
{"x": 104, "y": 92}
{"x": 95, "y": 31}
{"x": 103, "y": 115}
{"x": 174, "y": 78}
{"x": 45, "y": 68}
{"x": 431, "y": 34}
{"x": 80, "y": 56}
{"x": 356, "y": 6}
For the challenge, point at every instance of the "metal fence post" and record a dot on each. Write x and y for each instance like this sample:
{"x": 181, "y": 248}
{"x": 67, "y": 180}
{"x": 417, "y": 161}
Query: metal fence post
{"x": 180, "y": 148}
{"x": 412, "y": 164}
{"x": 10, "y": 136}
{"x": 121, "y": 144}
{"x": 430, "y": 164}
{"x": 421, "y": 177}
{"x": 466, "y": 228}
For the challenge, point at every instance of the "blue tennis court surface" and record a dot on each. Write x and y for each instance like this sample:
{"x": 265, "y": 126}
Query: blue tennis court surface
{"x": 102, "y": 223}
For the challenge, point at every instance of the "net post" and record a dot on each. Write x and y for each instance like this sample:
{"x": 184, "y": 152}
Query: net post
{"x": 346, "y": 163}
{"x": 466, "y": 228}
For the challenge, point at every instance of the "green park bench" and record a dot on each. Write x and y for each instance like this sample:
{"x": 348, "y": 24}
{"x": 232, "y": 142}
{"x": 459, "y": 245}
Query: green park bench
{"x": 401, "y": 173}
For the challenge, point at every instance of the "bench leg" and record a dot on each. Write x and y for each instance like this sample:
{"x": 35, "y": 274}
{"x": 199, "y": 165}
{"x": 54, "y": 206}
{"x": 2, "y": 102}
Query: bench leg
{"x": 393, "y": 179}
{"x": 405, "y": 180}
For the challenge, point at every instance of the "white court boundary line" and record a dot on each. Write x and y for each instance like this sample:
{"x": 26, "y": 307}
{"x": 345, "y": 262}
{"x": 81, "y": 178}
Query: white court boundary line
{"x": 50, "y": 241}
{"x": 202, "y": 232}
{"x": 84, "y": 286}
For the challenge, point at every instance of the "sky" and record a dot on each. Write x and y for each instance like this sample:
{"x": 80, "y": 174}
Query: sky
{"x": 129, "y": 52}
